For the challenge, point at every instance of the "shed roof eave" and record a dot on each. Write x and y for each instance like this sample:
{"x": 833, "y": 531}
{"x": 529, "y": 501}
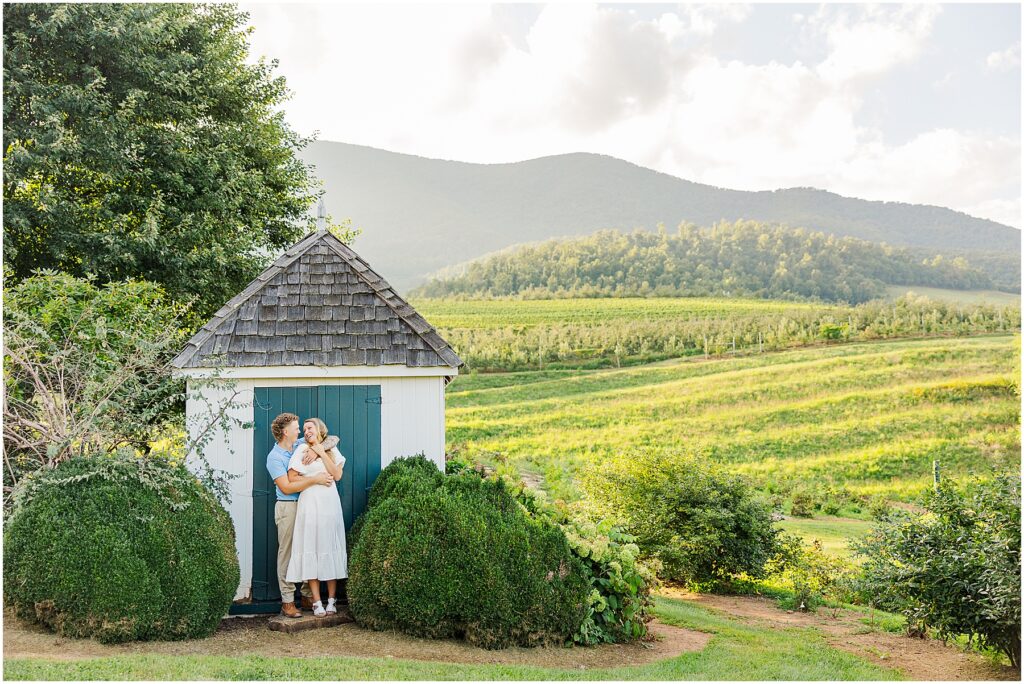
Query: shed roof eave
{"x": 325, "y": 372}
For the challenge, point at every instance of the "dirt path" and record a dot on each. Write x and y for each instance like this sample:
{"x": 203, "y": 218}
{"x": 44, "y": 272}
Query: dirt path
{"x": 250, "y": 636}
{"x": 918, "y": 659}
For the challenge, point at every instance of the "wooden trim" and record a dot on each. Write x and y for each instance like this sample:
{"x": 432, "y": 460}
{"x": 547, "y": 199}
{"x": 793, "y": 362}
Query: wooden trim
{"x": 320, "y": 372}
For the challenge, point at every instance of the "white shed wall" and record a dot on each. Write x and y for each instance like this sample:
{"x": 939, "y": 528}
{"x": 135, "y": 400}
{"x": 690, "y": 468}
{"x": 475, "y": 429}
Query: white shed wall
{"x": 411, "y": 421}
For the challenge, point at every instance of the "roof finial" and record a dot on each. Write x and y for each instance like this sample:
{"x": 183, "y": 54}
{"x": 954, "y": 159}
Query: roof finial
{"x": 321, "y": 215}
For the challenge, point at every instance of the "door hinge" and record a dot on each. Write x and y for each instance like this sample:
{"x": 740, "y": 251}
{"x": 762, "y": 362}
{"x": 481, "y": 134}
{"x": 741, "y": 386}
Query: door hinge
{"x": 374, "y": 400}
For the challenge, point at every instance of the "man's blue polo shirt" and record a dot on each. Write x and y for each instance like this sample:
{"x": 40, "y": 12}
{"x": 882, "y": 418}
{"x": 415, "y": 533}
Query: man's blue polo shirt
{"x": 277, "y": 465}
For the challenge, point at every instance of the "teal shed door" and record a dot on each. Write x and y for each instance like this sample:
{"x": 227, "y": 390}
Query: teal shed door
{"x": 352, "y": 412}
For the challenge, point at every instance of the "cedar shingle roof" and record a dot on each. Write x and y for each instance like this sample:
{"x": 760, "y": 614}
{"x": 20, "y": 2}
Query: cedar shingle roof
{"x": 319, "y": 304}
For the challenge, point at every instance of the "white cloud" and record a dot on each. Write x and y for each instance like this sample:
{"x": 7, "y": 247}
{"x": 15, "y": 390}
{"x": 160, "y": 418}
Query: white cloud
{"x": 449, "y": 82}
{"x": 874, "y": 42}
{"x": 949, "y": 168}
{"x": 1004, "y": 60}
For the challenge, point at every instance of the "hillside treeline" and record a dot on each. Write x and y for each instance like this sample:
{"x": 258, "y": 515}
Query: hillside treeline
{"x": 745, "y": 258}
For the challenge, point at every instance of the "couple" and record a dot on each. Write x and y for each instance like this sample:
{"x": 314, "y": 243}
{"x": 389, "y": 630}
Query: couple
{"x": 310, "y": 527}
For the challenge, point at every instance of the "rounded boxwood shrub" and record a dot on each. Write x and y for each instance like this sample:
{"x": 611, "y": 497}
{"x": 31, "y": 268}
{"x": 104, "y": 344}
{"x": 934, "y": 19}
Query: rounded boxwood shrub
{"x": 119, "y": 548}
{"x": 457, "y": 556}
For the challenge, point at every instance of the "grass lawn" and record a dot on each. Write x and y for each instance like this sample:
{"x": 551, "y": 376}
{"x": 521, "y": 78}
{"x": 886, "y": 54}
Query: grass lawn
{"x": 736, "y": 651}
{"x": 833, "y": 533}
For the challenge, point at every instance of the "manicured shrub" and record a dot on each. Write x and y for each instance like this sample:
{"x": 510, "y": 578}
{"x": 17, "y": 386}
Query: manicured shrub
{"x": 411, "y": 471}
{"x": 954, "y": 569}
{"x": 457, "y": 556}
{"x": 119, "y": 548}
{"x": 701, "y": 523}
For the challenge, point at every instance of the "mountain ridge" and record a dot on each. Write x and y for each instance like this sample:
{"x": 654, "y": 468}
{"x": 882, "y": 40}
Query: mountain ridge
{"x": 420, "y": 214}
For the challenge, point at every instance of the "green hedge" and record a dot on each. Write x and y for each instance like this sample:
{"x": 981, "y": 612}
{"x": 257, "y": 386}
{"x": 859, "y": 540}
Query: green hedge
{"x": 119, "y": 548}
{"x": 457, "y": 556}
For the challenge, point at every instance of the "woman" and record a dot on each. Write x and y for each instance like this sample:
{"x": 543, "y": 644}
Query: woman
{"x": 318, "y": 544}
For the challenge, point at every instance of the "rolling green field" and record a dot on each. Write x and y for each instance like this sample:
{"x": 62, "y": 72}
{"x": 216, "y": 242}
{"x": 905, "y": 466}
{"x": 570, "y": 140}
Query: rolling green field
{"x": 868, "y": 418}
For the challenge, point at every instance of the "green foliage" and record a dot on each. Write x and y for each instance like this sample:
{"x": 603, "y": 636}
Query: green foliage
{"x": 86, "y": 369}
{"x": 620, "y": 602}
{"x": 702, "y": 523}
{"x": 802, "y": 504}
{"x": 879, "y": 507}
{"x": 401, "y": 474}
{"x": 502, "y": 335}
{"x": 954, "y": 569}
{"x": 744, "y": 258}
{"x": 832, "y": 331}
{"x": 457, "y": 556}
{"x": 620, "y": 595}
{"x": 140, "y": 142}
{"x": 455, "y": 465}
{"x": 810, "y": 573}
{"x": 119, "y": 548}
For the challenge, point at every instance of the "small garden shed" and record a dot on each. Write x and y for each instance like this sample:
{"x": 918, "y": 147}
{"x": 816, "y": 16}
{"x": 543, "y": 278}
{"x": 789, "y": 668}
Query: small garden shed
{"x": 319, "y": 333}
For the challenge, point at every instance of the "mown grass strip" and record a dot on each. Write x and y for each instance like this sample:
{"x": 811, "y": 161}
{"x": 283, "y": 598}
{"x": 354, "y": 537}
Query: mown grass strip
{"x": 736, "y": 651}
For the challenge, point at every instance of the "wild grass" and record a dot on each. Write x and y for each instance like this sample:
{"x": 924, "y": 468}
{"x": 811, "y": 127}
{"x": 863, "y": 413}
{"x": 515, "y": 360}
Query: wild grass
{"x": 833, "y": 533}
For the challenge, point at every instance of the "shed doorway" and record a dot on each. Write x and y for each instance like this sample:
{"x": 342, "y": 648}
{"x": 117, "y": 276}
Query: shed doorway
{"x": 352, "y": 412}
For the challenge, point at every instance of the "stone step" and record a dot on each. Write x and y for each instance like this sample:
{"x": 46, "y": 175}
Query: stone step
{"x": 280, "y": 623}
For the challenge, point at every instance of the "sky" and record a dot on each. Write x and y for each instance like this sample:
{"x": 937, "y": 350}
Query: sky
{"x": 915, "y": 103}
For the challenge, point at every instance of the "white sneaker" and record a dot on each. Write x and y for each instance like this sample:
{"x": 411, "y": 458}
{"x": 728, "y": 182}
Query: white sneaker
{"x": 331, "y": 608}
{"x": 318, "y": 609}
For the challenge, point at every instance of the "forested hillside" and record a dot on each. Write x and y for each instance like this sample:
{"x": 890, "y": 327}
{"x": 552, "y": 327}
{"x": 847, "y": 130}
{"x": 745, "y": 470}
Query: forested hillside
{"x": 744, "y": 258}
{"x": 420, "y": 215}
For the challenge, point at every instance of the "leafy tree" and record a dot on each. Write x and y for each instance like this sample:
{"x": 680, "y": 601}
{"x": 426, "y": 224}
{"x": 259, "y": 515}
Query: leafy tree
{"x": 139, "y": 143}
{"x": 954, "y": 569}
{"x": 85, "y": 369}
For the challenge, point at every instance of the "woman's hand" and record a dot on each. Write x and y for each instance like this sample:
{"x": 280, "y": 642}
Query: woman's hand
{"x": 313, "y": 452}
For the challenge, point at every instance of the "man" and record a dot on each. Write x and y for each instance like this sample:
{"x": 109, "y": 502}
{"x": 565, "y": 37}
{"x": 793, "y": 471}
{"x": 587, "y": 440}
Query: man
{"x": 285, "y": 429}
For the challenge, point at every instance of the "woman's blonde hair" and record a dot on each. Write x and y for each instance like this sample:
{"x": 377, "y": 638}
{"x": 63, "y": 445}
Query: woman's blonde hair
{"x": 321, "y": 427}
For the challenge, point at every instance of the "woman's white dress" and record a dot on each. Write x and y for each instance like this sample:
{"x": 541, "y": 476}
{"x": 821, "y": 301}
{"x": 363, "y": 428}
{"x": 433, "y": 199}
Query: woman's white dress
{"x": 318, "y": 543}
